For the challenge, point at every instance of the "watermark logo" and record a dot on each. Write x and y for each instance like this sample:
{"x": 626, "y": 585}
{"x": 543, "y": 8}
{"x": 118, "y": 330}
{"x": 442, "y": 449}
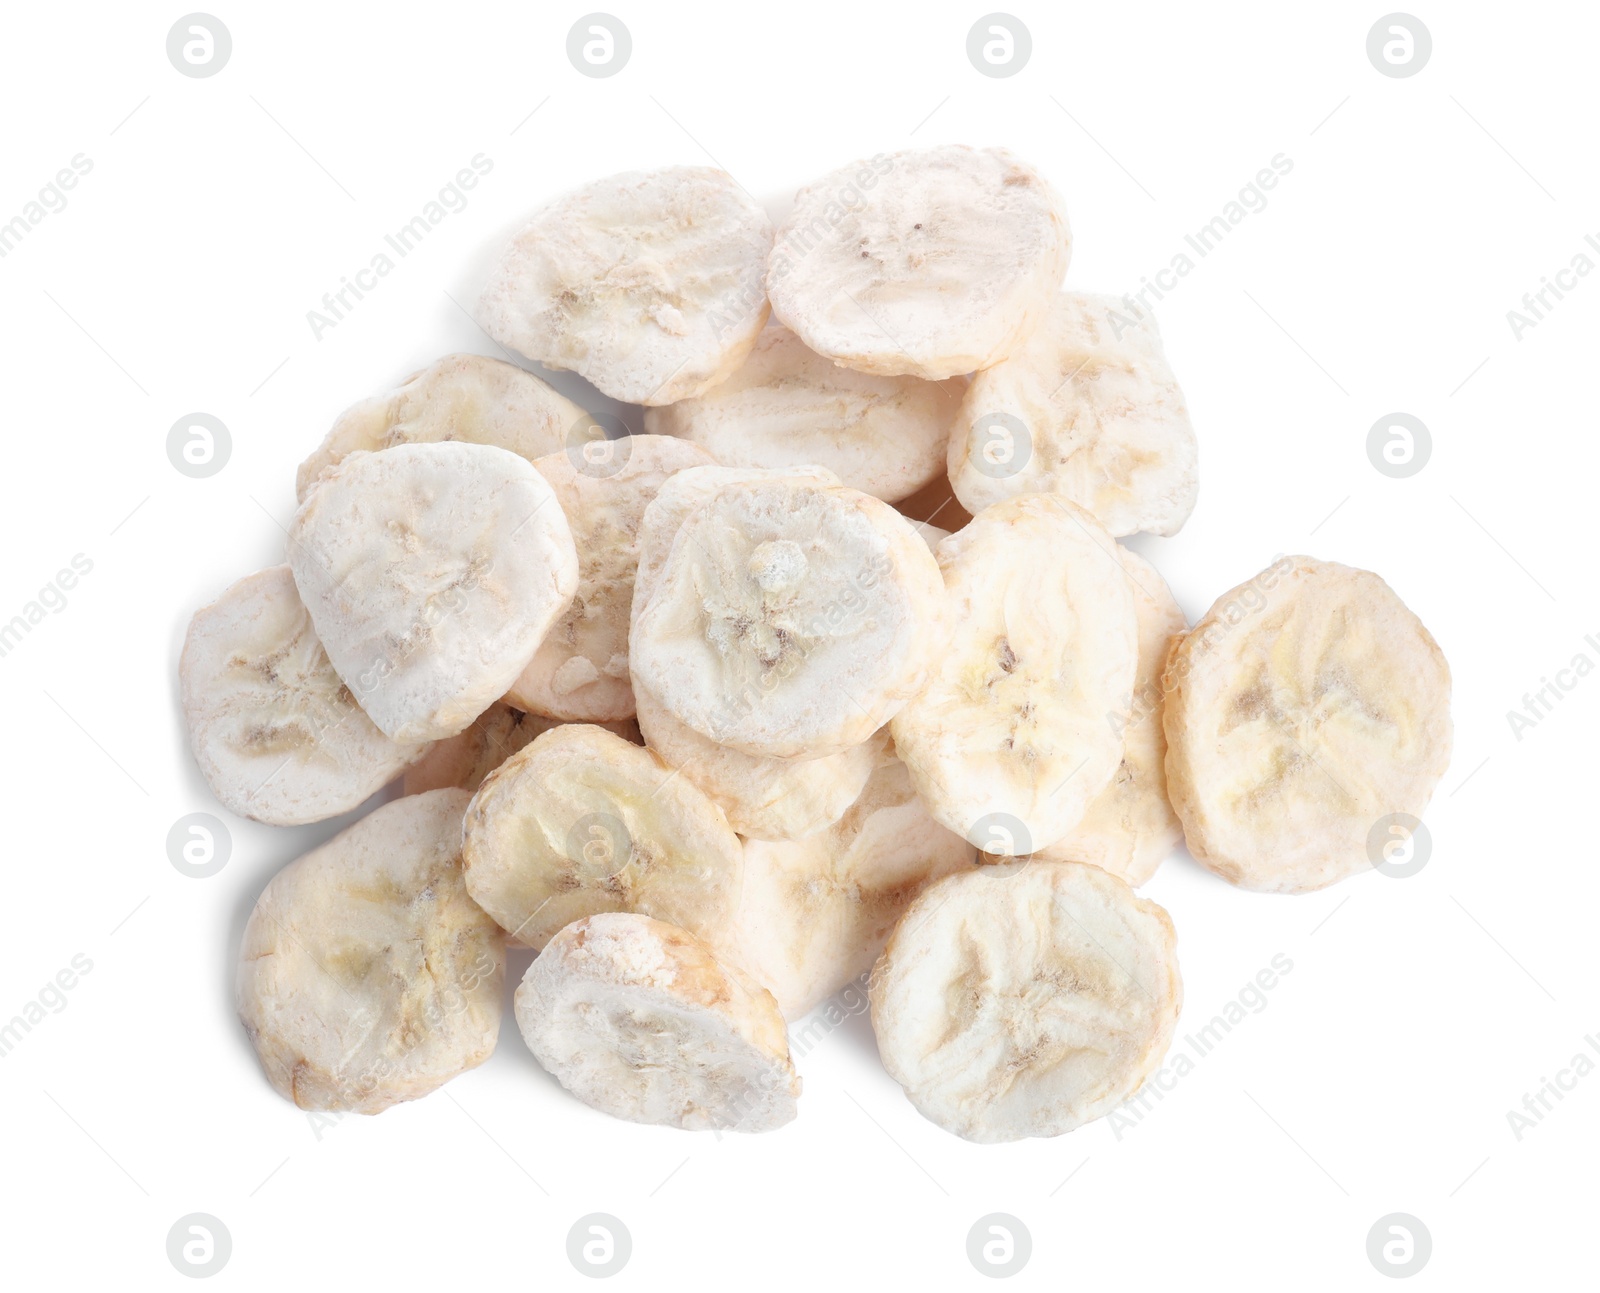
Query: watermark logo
{"x": 999, "y": 1245}
{"x": 998, "y": 445}
{"x": 999, "y": 45}
{"x": 599, "y": 1245}
{"x": 1399, "y": 445}
{"x": 199, "y": 445}
{"x": 599, "y": 846}
{"x": 199, "y": 45}
{"x": 599, "y": 445}
{"x": 1399, "y": 1245}
{"x": 1399, "y": 45}
{"x": 198, "y": 845}
{"x": 599, "y": 45}
{"x": 199, "y": 1245}
{"x": 1399, "y": 845}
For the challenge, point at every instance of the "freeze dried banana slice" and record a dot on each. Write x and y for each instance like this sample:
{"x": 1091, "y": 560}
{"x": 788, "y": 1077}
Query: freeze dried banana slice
{"x": 638, "y": 1019}
{"x": 647, "y": 283}
{"x": 816, "y": 912}
{"x": 1013, "y": 736}
{"x": 580, "y": 671}
{"x": 930, "y": 263}
{"x": 789, "y": 407}
{"x": 432, "y": 572}
{"x": 464, "y": 760}
{"x": 459, "y": 397}
{"x": 367, "y": 976}
{"x": 277, "y": 735}
{"x": 1305, "y": 709}
{"x": 1130, "y": 828}
{"x": 791, "y": 619}
{"x": 1026, "y": 1002}
{"x": 581, "y": 822}
{"x": 1087, "y": 408}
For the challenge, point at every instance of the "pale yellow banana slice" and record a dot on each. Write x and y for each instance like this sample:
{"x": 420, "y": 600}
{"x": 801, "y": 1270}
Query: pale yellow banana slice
{"x": 1014, "y": 735}
{"x": 580, "y": 822}
{"x": 367, "y": 976}
{"x": 1304, "y": 711}
{"x": 930, "y": 263}
{"x": 647, "y": 283}
{"x": 459, "y": 397}
{"x": 1025, "y": 1000}
{"x": 638, "y": 1019}
{"x": 464, "y": 760}
{"x": 432, "y": 572}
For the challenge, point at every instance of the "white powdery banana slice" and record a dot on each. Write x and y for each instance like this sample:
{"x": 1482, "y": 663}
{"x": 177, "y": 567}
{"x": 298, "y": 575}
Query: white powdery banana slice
{"x": 638, "y": 1019}
{"x": 1088, "y": 408}
{"x": 930, "y": 263}
{"x": 580, "y": 671}
{"x": 581, "y": 822}
{"x": 816, "y": 912}
{"x": 432, "y": 572}
{"x": 1308, "y": 723}
{"x": 276, "y": 733}
{"x": 464, "y": 760}
{"x": 647, "y": 283}
{"x": 1026, "y": 999}
{"x": 367, "y": 976}
{"x": 459, "y": 397}
{"x": 791, "y": 619}
{"x": 1130, "y": 828}
{"x": 1013, "y": 737}
{"x": 789, "y": 407}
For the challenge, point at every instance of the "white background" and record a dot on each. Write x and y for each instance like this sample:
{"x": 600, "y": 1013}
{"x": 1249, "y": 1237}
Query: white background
{"x": 1418, "y": 1012}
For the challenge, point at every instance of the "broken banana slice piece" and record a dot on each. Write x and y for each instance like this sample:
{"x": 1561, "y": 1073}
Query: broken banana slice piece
{"x": 464, "y": 760}
{"x": 638, "y": 1019}
{"x": 1305, "y": 711}
{"x": 1025, "y": 999}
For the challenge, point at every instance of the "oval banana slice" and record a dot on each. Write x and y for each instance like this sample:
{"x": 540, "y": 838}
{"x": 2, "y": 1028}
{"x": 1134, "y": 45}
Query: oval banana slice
{"x": 787, "y": 406}
{"x": 459, "y": 397}
{"x": 276, "y": 733}
{"x": 581, "y": 822}
{"x": 1025, "y": 1002}
{"x": 1129, "y": 828}
{"x": 367, "y": 976}
{"x": 791, "y": 620}
{"x": 465, "y": 759}
{"x": 638, "y": 1019}
{"x": 647, "y": 283}
{"x": 1087, "y": 408}
{"x": 1304, "y": 710}
{"x": 929, "y": 263}
{"x": 816, "y": 912}
{"x": 1012, "y": 737}
{"x": 431, "y": 573}
{"x": 580, "y": 671}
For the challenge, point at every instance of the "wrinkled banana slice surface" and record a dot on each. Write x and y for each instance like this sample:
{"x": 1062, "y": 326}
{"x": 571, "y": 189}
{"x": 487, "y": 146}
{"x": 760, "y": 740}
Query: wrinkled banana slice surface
{"x": 367, "y": 976}
{"x": 465, "y": 759}
{"x": 1025, "y": 999}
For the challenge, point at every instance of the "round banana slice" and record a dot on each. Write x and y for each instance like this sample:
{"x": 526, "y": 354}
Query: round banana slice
{"x": 1305, "y": 711}
{"x": 1130, "y": 828}
{"x": 935, "y": 504}
{"x": 459, "y": 397}
{"x": 277, "y": 735}
{"x": 1087, "y": 408}
{"x": 791, "y": 620}
{"x": 580, "y": 671}
{"x": 929, "y": 263}
{"x": 638, "y": 1019}
{"x": 1014, "y": 735}
{"x": 581, "y": 822}
{"x": 789, "y": 407}
{"x": 1028, "y": 1003}
{"x": 432, "y": 572}
{"x": 464, "y": 760}
{"x": 647, "y": 283}
{"x": 367, "y": 976}
{"x": 817, "y": 912}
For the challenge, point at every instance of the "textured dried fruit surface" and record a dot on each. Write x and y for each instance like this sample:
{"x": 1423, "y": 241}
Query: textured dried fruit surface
{"x": 791, "y": 619}
{"x": 465, "y": 759}
{"x": 580, "y": 671}
{"x": 638, "y": 1019}
{"x": 582, "y": 822}
{"x": 367, "y": 976}
{"x": 647, "y": 283}
{"x": 432, "y": 572}
{"x": 788, "y": 406}
{"x": 1305, "y": 707}
{"x": 1088, "y": 409}
{"x": 932, "y": 262}
{"x": 1027, "y": 999}
{"x": 1011, "y": 739}
{"x": 459, "y": 397}
{"x": 276, "y": 733}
